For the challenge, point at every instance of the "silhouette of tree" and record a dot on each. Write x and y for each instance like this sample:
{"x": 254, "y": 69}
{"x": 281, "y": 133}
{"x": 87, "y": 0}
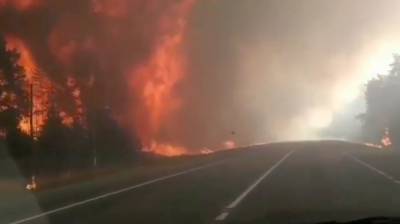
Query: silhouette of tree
{"x": 13, "y": 100}
{"x": 53, "y": 143}
{"x": 383, "y": 104}
{"x": 112, "y": 142}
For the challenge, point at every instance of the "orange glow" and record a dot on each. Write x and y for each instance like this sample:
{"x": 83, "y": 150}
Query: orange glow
{"x": 166, "y": 149}
{"x": 386, "y": 142}
{"x": 75, "y": 91}
{"x": 155, "y": 82}
{"x": 110, "y": 8}
{"x": 41, "y": 85}
{"x": 21, "y": 5}
{"x": 66, "y": 119}
{"x": 229, "y": 144}
{"x": 24, "y": 125}
{"x": 42, "y": 90}
{"x": 26, "y": 59}
{"x": 206, "y": 151}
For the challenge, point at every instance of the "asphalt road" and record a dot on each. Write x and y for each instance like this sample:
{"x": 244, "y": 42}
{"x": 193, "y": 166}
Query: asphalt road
{"x": 304, "y": 182}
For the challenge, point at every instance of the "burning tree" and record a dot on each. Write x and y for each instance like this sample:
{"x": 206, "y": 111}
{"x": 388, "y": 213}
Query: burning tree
{"x": 14, "y": 101}
{"x": 60, "y": 130}
{"x": 383, "y": 105}
{"x": 103, "y": 56}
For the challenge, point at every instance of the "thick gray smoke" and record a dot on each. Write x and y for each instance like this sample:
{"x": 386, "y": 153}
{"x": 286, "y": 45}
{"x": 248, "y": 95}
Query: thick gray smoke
{"x": 279, "y": 69}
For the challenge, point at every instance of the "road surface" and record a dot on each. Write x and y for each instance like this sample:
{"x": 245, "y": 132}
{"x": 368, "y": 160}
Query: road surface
{"x": 303, "y": 182}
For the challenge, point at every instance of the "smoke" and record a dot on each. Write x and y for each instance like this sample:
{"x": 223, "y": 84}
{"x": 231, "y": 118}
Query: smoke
{"x": 276, "y": 70}
{"x": 111, "y": 50}
{"x": 188, "y": 75}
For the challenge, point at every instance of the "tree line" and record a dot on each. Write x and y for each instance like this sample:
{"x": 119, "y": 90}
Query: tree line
{"x": 58, "y": 148}
{"x": 382, "y": 96}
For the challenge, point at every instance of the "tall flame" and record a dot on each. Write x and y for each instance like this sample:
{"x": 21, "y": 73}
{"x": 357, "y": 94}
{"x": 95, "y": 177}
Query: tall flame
{"x": 155, "y": 82}
{"x": 41, "y": 86}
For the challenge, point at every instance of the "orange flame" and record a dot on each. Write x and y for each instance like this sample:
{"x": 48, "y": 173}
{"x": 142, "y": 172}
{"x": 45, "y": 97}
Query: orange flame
{"x": 74, "y": 89}
{"x": 165, "y": 149}
{"x": 156, "y": 80}
{"x": 26, "y": 59}
{"x": 386, "y": 142}
{"x": 229, "y": 144}
{"x": 41, "y": 85}
{"x": 42, "y": 90}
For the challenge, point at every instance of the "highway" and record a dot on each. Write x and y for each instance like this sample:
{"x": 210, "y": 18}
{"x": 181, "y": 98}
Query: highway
{"x": 297, "y": 182}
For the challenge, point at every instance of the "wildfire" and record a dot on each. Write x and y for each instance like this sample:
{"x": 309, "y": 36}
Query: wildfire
{"x": 386, "y": 142}
{"x": 36, "y": 82}
{"x": 166, "y": 149}
{"x": 229, "y": 144}
{"x": 41, "y": 88}
{"x": 156, "y": 80}
{"x": 26, "y": 59}
{"x": 21, "y": 5}
{"x": 75, "y": 91}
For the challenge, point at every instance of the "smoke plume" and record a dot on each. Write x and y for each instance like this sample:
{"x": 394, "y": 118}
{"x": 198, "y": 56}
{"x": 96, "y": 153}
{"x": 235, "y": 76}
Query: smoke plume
{"x": 187, "y": 76}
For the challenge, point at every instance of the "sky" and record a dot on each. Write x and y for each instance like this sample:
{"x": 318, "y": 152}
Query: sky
{"x": 187, "y": 75}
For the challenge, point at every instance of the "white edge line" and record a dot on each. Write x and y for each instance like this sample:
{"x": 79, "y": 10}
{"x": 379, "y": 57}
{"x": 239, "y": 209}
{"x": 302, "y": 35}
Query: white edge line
{"x": 222, "y": 216}
{"x": 387, "y": 176}
{"x": 234, "y": 203}
{"x": 115, "y": 192}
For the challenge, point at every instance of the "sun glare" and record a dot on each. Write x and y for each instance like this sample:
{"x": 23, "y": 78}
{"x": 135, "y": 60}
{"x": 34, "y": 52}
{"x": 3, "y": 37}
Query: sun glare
{"x": 381, "y": 58}
{"x": 373, "y": 62}
{"x": 319, "y": 118}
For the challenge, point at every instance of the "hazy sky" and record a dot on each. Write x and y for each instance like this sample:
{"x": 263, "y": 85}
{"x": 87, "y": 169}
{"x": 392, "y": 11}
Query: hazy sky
{"x": 281, "y": 69}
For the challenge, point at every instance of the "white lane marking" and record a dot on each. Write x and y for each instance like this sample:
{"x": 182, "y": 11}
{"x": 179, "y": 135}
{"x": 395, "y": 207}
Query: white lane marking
{"x": 222, "y": 216}
{"x": 387, "y": 176}
{"x": 234, "y": 203}
{"x": 116, "y": 192}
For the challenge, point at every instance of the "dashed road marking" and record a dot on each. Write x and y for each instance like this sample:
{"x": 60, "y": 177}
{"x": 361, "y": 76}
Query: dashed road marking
{"x": 225, "y": 213}
{"x": 222, "y": 216}
{"x": 387, "y": 176}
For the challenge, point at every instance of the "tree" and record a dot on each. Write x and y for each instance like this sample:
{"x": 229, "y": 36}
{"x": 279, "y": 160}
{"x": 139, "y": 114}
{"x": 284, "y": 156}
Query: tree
{"x": 79, "y": 153}
{"x": 383, "y": 104}
{"x": 53, "y": 143}
{"x": 13, "y": 100}
{"x": 112, "y": 142}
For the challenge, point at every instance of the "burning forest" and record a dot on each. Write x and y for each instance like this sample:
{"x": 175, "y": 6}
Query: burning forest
{"x": 78, "y": 63}
{"x": 87, "y": 84}
{"x": 101, "y": 99}
{"x": 175, "y": 77}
